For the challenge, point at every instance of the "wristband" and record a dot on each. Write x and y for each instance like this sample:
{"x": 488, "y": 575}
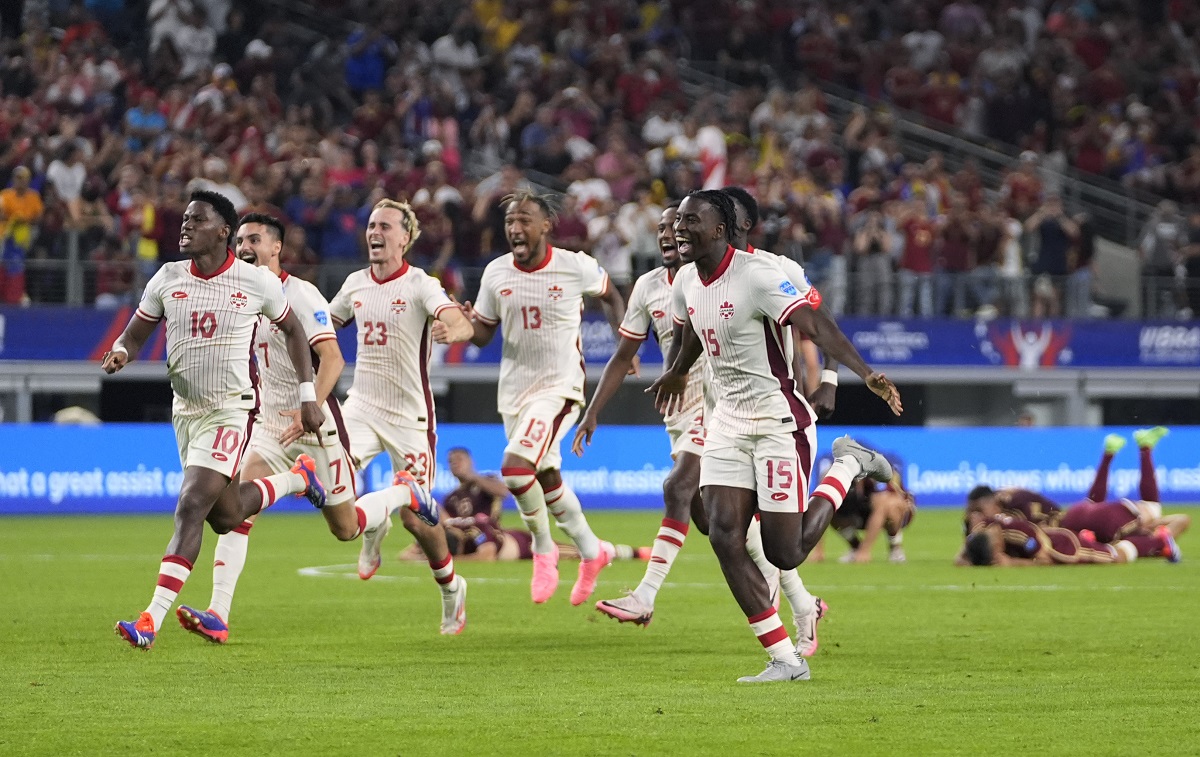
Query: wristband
{"x": 116, "y": 348}
{"x": 308, "y": 392}
{"x": 829, "y": 377}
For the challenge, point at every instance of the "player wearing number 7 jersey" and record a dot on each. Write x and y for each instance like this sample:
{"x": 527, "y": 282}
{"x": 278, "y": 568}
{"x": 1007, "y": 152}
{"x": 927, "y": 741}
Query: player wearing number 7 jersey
{"x": 211, "y": 305}
{"x": 399, "y": 312}
{"x": 758, "y": 453}
{"x": 537, "y": 291}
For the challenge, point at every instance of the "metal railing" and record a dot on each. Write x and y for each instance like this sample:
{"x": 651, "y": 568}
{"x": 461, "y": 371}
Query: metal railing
{"x": 1120, "y": 212}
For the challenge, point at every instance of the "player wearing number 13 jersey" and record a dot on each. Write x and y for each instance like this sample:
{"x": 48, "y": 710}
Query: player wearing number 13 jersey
{"x": 399, "y": 312}
{"x": 537, "y": 292}
{"x": 211, "y": 305}
{"x": 735, "y": 308}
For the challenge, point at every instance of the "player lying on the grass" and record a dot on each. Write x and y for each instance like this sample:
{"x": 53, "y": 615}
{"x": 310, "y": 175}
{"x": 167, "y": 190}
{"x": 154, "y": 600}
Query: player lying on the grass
{"x": 872, "y": 508}
{"x": 759, "y": 442}
{"x": 537, "y": 292}
{"x": 1142, "y": 522}
{"x": 212, "y": 304}
{"x": 649, "y": 309}
{"x": 1008, "y": 541}
{"x": 277, "y": 436}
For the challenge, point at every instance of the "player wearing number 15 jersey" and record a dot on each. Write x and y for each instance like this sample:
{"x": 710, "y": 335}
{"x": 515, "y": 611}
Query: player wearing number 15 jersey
{"x": 211, "y": 305}
{"x": 537, "y": 292}
{"x": 734, "y": 307}
{"x": 399, "y": 312}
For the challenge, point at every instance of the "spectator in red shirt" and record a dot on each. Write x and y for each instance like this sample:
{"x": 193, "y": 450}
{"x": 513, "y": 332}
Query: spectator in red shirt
{"x": 916, "y": 260}
{"x": 114, "y": 273}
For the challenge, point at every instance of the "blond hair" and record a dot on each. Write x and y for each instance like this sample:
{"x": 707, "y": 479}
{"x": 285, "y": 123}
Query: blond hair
{"x": 408, "y": 218}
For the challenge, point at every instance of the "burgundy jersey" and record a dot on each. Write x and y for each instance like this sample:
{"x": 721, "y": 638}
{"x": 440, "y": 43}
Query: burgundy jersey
{"x": 470, "y": 501}
{"x": 1024, "y": 539}
{"x": 1109, "y": 521}
{"x": 1029, "y": 505}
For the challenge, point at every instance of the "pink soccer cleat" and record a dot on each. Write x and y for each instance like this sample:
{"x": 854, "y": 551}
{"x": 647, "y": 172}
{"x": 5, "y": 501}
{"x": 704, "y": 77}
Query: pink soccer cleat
{"x": 589, "y": 571}
{"x": 627, "y": 609}
{"x": 545, "y": 576}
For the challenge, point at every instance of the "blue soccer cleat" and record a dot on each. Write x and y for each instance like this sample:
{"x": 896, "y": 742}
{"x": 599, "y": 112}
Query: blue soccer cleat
{"x": 419, "y": 501}
{"x": 314, "y": 491}
{"x": 203, "y": 623}
{"x": 139, "y": 633}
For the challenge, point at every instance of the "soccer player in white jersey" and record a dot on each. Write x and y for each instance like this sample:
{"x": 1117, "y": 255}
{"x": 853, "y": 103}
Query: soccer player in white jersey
{"x": 537, "y": 291}
{"x": 211, "y": 304}
{"x": 760, "y": 440}
{"x": 278, "y": 436}
{"x": 399, "y": 312}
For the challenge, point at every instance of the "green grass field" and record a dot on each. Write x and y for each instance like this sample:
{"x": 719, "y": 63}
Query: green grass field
{"x": 915, "y": 659}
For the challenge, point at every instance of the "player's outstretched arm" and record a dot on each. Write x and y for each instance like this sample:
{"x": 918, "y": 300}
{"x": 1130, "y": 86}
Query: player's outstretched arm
{"x": 614, "y": 310}
{"x": 615, "y": 371}
{"x": 824, "y": 332}
{"x": 669, "y": 387}
{"x": 452, "y": 326}
{"x": 481, "y": 333}
{"x": 311, "y": 416}
{"x": 128, "y": 345}
{"x": 329, "y": 370}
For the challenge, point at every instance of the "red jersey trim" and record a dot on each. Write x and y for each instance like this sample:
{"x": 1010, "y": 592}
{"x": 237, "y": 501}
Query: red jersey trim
{"x": 286, "y": 312}
{"x": 793, "y": 308}
{"x": 630, "y": 335}
{"x": 486, "y": 321}
{"x": 146, "y": 316}
{"x": 676, "y": 320}
{"x": 403, "y": 269}
{"x": 440, "y": 308}
{"x": 545, "y": 261}
{"x": 284, "y": 275}
{"x": 229, "y": 258}
{"x": 607, "y": 282}
{"x": 724, "y": 266}
{"x": 321, "y": 338}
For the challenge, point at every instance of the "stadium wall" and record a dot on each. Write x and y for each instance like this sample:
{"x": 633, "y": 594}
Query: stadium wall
{"x": 134, "y": 468}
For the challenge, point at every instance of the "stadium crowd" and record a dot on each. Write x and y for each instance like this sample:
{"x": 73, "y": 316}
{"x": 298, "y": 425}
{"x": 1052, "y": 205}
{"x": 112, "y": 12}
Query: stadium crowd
{"x": 113, "y": 110}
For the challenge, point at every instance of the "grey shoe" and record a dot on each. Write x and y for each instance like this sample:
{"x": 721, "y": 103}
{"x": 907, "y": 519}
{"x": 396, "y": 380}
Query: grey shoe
{"x": 874, "y": 465}
{"x": 780, "y": 671}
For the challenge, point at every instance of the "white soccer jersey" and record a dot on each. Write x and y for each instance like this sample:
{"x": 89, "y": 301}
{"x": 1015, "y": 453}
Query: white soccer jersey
{"x": 391, "y": 372}
{"x": 650, "y": 307}
{"x": 541, "y": 309}
{"x": 281, "y": 387}
{"x": 739, "y": 315}
{"x": 211, "y": 322}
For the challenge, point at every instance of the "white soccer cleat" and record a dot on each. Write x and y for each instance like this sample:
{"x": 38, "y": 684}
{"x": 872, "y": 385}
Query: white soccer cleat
{"x": 627, "y": 609}
{"x": 454, "y": 608}
{"x": 777, "y": 670}
{"x": 896, "y": 555}
{"x": 806, "y": 629}
{"x": 874, "y": 465}
{"x": 372, "y": 540}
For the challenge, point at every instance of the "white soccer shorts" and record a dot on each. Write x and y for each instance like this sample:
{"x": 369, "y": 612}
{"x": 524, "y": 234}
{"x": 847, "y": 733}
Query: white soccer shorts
{"x": 410, "y": 449}
{"x": 536, "y": 432}
{"x": 335, "y": 469}
{"x": 775, "y": 466}
{"x": 215, "y": 440}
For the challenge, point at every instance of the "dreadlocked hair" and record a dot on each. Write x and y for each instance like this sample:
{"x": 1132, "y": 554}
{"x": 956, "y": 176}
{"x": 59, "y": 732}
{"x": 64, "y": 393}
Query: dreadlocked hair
{"x": 723, "y": 204}
{"x": 546, "y": 202}
{"x": 408, "y": 218}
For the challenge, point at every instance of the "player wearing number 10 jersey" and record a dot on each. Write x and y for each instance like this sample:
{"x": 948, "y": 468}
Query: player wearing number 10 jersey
{"x": 211, "y": 305}
{"x": 537, "y": 292}
{"x": 399, "y": 311}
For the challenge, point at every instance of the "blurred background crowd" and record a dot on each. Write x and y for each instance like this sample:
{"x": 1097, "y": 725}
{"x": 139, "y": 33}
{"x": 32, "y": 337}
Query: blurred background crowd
{"x": 113, "y": 110}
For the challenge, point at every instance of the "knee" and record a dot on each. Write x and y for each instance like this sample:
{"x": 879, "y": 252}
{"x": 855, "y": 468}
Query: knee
{"x": 518, "y": 480}
{"x": 678, "y": 502}
{"x": 222, "y": 524}
{"x": 344, "y": 533}
{"x": 726, "y": 541}
{"x": 783, "y": 556}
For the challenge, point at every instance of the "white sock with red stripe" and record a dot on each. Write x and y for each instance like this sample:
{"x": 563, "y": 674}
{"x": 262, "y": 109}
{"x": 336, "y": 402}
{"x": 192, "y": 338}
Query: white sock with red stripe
{"x": 173, "y": 572}
{"x": 443, "y": 573}
{"x": 272, "y": 488}
{"x": 666, "y": 546}
{"x": 229, "y": 559}
{"x": 773, "y": 636}
{"x": 374, "y": 507}
{"x": 837, "y": 480}
{"x": 566, "y": 509}
{"x": 531, "y": 501}
{"x": 798, "y": 597}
